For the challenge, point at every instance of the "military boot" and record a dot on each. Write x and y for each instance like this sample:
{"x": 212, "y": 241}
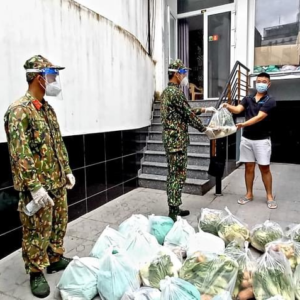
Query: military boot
{"x": 59, "y": 265}
{"x": 39, "y": 285}
{"x": 175, "y": 211}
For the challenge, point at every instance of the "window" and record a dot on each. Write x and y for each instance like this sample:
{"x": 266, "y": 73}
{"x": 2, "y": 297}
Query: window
{"x": 192, "y": 5}
{"x": 277, "y": 36}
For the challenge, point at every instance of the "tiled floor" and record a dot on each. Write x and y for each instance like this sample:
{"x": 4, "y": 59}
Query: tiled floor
{"x": 83, "y": 232}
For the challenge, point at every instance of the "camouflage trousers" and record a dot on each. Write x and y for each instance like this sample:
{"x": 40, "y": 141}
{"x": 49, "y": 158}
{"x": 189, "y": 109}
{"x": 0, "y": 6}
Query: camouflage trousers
{"x": 177, "y": 165}
{"x": 43, "y": 233}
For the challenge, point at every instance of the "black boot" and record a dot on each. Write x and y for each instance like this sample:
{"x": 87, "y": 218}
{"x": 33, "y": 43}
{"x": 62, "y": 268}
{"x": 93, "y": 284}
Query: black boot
{"x": 175, "y": 211}
{"x": 39, "y": 285}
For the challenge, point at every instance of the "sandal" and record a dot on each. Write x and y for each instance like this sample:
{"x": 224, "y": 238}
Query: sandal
{"x": 244, "y": 201}
{"x": 272, "y": 204}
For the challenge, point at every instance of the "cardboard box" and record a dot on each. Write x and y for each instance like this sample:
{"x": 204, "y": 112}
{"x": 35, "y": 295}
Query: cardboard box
{"x": 277, "y": 55}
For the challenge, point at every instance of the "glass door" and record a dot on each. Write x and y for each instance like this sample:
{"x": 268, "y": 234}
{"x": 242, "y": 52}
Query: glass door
{"x": 219, "y": 47}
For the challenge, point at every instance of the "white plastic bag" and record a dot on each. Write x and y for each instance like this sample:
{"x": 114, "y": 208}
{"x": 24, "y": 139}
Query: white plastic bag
{"x": 164, "y": 264}
{"x": 262, "y": 234}
{"x": 116, "y": 276}
{"x": 109, "y": 237}
{"x": 79, "y": 280}
{"x": 231, "y": 228}
{"x": 142, "y": 247}
{"x": 205, "y": 242}
{"x": 135, "y": 222}
{"x": 144, "y": 293}
{"x": 177, "y": 289}
{"x": 179, "y": 235}
{"x": 209, "y": 220}
{"x": 160, "y": 227}
{"x": 294, "y": 232}
{"x": 223, "y": 121}
{"x": 223, "y": 296}
{"x": 273, "y": 277}
{"x": 240, "y": 252}
{"x": 297, "y": 282}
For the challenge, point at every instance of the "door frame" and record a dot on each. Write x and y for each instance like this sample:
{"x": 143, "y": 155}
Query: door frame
{"x": 206, "y": 13}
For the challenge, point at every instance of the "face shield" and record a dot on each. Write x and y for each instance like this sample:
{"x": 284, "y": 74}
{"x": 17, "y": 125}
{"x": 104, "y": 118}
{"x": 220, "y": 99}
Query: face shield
{"x": 184, "y": 76}
{"x": 52, "y": 81}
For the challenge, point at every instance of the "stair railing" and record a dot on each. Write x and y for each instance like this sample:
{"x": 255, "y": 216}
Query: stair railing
{"x": 236, "y": 88}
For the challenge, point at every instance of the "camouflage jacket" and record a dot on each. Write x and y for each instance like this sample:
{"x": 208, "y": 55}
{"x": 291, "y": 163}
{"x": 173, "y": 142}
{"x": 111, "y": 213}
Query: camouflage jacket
{"x": 176, "y": 115}
{"x": 38, "y": 154}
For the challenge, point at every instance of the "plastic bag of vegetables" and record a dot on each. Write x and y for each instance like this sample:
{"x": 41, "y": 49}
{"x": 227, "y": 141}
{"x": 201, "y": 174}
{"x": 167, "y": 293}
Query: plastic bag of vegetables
{"x": 297, "y": 282}
{"x": 135, "y": 222}
{"x": 289, "y": 248}
{"x": 178, "y": 237}
{"x": 205, "y": 242}
{"x": 211, "y": 273}
{"x": 240, "y": 252}
{"x": 277, "y": 297}
{"x": 117, "y": 274}
{"x": 165, "y": 264}
{"x": 273, "y": 277}
{"x": 142, "y": 247}
{"x": 144, "y": 293}
{"x": 294, "y": 232}
{"x": 109, "y": 237}
{"x": 209, "y": 220}
{"x": 177, "y": 289}
{"x": 265, "y": 233}
{"x": 160, "y": 227}
{"x": 79, "y": 280}
{"x": 231, "y": 228}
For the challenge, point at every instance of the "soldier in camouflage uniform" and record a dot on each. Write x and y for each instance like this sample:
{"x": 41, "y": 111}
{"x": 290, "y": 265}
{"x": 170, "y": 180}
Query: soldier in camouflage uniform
{"x": 41, "y": 172}
{"x": 176, "y": 115}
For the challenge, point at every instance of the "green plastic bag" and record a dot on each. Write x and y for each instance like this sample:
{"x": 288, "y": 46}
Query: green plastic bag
{"x": 177, "y": 289}
{"x": 79, "y": 280}
{"x": 160, "y": 227}
{"x": 116, "y": 276}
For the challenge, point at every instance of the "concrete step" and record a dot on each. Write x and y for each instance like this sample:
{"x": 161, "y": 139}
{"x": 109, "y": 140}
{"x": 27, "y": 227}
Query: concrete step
{"x": 204, "y": 118}
{"x": 197, "y": 137}
{"x": 194, "y": 159}
{"x": 192, "y": 186}
{"x": 196, "y": 103}
{"x": 154, "y": 145}
{"x": 154, "y": 168}
{"x": 159, "y": 127}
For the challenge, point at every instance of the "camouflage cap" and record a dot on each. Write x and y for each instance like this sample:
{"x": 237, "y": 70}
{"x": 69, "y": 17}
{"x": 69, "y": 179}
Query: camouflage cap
{"x": 177, "y": 64}
{"x": 38, "y": 62}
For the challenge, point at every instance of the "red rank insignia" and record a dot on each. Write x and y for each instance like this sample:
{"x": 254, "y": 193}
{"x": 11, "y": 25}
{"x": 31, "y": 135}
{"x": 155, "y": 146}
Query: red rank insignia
{"x": 37, "y": 104}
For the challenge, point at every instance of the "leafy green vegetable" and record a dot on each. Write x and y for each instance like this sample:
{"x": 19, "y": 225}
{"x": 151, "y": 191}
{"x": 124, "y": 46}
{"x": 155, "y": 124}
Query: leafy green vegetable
{"x": 294, "y": 233}
{"x": 210, "y": 219}
{"x": 265, "y": 233}
{"x": 231, "y": 228}
{"x": 273, "y": 277}
{"x": 211, "y": 273}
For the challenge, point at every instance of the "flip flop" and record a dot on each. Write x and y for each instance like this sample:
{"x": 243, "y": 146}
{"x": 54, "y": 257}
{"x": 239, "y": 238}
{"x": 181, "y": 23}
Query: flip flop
{"x": 244, "y": 200}
{"x": 272, "y": 204}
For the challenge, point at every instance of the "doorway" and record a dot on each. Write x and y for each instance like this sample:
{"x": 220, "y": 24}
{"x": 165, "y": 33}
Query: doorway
{"x": 205, "y": 46}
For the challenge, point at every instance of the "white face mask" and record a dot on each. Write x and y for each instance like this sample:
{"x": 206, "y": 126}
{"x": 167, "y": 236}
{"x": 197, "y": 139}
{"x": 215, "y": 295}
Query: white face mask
{"x": 53, "y": 89}
{"x": 184, "y": 82}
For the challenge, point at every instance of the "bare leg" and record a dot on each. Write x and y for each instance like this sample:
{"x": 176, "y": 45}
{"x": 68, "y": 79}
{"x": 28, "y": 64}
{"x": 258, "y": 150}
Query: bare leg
{"x": 249, "y": 178}
{"x": 267, "y": 180}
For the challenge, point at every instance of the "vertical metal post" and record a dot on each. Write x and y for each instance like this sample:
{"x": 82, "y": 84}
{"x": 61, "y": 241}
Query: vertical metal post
{"x": 149, "y": 28}
{"x": 239, "y": 84}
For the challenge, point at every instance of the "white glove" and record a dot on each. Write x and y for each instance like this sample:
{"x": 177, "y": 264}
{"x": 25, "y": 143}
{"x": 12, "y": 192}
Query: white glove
{"x": 210, "y": 109}
{"x": 70, "y": 181}
{"x": 41, "y": 198}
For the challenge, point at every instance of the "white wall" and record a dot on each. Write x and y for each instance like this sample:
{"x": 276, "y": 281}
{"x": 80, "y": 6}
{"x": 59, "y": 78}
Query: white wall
{"x": 108, "y": 83}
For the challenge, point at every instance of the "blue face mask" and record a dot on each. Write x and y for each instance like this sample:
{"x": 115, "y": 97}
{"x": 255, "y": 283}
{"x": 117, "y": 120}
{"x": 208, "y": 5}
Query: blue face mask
{"x": 261, "y": 87}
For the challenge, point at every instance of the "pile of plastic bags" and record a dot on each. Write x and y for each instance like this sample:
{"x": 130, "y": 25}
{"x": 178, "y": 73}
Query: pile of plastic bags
{"x": 156, "y": 259}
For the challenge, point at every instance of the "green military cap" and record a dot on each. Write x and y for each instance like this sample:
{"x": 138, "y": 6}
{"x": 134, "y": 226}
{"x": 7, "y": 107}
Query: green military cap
{"x": 176, "y": 65}
{"x": 38, "y": 62}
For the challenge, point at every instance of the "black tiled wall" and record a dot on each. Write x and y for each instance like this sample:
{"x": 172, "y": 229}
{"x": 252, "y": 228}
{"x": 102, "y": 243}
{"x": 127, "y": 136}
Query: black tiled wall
{"x": 105, "y": 166}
